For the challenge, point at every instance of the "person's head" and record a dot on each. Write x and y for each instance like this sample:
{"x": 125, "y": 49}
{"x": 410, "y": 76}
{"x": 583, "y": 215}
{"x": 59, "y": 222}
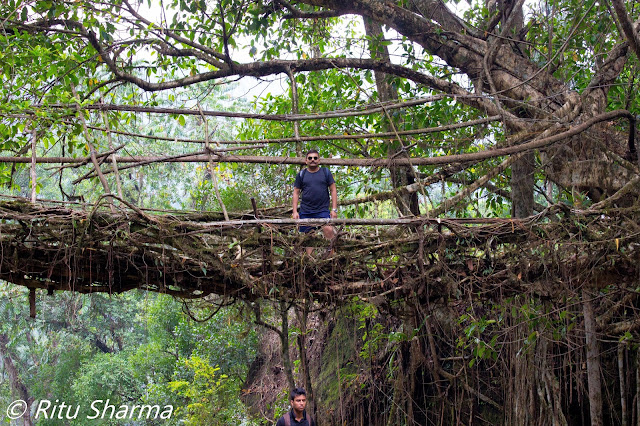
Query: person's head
{"x": 298, "y": 398}
{"x": 312, "y": 158}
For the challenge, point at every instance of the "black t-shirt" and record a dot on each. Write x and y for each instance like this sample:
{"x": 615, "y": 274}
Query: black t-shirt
{"x": 306, "y": 420}
{"x": 314, "y": 188}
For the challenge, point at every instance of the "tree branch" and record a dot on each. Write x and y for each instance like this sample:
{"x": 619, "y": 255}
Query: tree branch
{"x": 627, "y": 26}
{"x": 362, "y": 162}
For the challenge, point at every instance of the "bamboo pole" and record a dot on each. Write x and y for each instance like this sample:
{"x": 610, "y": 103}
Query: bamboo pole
{"x": 34, "y": 177}
{"x": 93, "y": 153}
{"x": 214, "y": 177}
{"x": 364, "y": 222}
{"x": 294, "y": 111}
{"x": 362, "y": 162}
{"x": 382, "y": 135}
{"x": 114, "y": 162}
{"x": 368, "y": 109}
{"x": 142, "y": 163}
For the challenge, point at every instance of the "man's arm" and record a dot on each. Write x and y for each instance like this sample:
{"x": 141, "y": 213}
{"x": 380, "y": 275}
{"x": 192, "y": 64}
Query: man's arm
{"x": 296, "y": 196}
{"x": 334, "y": 200}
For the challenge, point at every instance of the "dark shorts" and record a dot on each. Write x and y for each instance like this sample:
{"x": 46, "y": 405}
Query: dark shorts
{"x": 319, "y": 215}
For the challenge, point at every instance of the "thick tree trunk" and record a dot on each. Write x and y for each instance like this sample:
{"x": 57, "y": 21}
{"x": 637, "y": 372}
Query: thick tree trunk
{"x": 283, "y": 334}
{"x": 522, "y": 170}
{"x": 284, "y": 338}
{"x": 522, "y": 185}
{"x": 18, "y": 388}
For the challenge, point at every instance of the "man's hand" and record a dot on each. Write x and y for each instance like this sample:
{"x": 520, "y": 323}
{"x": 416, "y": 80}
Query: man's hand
{"x": 294, "y": 204}
{"x": 334, "y": 200}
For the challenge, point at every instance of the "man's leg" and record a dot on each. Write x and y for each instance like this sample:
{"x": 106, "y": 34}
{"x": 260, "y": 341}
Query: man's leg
{"x": 329, "y": 233}
{"x": 306, "y": 230}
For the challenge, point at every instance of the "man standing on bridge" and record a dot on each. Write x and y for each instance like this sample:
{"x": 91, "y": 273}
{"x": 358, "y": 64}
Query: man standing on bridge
{"x": 313, "y": 185}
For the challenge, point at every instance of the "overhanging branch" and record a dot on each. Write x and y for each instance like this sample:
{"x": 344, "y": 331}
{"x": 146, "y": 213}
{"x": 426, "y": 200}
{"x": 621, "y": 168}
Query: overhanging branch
{"x": 362, "y": 162}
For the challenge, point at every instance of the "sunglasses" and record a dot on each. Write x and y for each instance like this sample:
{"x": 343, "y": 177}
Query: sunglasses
{"x": 312, "y": 158}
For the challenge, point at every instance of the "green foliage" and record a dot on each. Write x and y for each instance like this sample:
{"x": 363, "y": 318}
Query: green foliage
{"x": 483, "y": 337}
{"x": 108, "y": 376}
{"x": 475, "y": 338}
{"x": 340, "y": 361}
{"x": 234, "y": 187}
{"x": 372, "y": 332}
{"x": 128, "y": 349}
{"x": 210, "y": 397}
{"x": 142, "y": 348}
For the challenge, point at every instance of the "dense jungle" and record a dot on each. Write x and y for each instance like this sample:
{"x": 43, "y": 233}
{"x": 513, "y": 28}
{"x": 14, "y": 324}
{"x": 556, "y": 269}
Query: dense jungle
{"x": 486, "y": 267}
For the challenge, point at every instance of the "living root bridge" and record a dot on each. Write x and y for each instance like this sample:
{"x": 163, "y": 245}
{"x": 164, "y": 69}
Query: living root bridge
{"x": 53, "y": 247}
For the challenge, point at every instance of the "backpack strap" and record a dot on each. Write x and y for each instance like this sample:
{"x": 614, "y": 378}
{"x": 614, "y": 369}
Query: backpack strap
{"x": 325, "y": 172}
{"x": 287, "y": 419}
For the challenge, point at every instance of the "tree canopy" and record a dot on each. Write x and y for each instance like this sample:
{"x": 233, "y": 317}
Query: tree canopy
{"x": 364, "y": 80}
